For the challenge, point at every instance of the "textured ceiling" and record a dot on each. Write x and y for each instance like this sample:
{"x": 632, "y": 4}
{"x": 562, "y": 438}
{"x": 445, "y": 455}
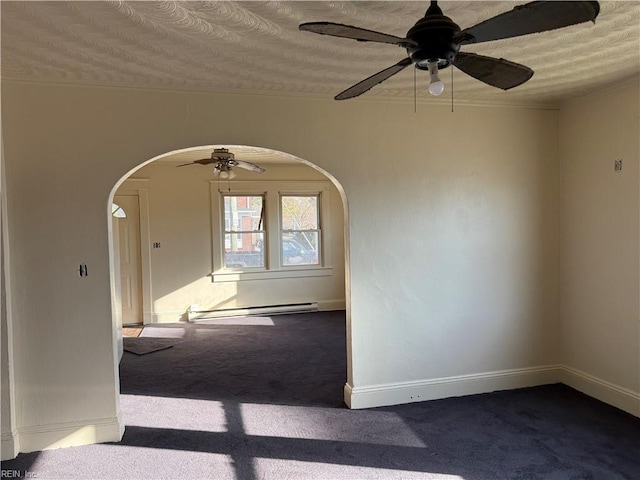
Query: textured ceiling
{"x": 257, "y": 47}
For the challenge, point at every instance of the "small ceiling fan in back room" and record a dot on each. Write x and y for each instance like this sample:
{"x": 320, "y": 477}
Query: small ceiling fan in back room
{"x": 434, "y": 42}
{"x": 224, "y": 161}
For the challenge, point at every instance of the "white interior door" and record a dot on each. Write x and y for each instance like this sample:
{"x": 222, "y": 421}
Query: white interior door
{"x": 130, "y": 264}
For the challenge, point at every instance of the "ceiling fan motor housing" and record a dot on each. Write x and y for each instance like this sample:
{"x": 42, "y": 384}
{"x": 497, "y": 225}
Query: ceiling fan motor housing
{"x": 222, "y": 154}
{"x": 434, "y": 35}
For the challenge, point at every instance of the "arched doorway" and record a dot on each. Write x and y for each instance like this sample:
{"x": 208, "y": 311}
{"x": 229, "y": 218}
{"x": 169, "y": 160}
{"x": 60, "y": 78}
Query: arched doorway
{"x": 186, "y": 238}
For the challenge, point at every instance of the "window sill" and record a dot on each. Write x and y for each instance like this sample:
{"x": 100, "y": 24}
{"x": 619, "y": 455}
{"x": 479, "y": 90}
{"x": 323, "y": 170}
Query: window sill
{"x": 297, "y": 272}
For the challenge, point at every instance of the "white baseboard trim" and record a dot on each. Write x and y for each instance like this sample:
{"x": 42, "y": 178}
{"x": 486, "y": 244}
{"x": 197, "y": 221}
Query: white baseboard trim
{"x": 606, "y": 392}
{"x": 418, "y": 391}
{"x": 10, "y": 445}
{"x": 195, "y": 314}
{"x": 71, "y": 434}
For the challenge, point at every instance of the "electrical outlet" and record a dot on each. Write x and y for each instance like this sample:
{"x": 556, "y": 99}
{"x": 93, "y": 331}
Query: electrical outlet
{"x": 617, "y": 167}
{"x": 156, "y": 244}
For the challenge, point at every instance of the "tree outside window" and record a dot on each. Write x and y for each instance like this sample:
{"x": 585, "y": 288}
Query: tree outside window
{"x": 300, "y": 229}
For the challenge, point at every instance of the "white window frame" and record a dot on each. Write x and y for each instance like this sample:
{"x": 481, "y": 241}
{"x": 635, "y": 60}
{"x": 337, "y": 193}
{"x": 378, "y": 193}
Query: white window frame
{"x": 271, "y": 191}
{"x": 230, "y": 230}
{"x": 317, "y": 230}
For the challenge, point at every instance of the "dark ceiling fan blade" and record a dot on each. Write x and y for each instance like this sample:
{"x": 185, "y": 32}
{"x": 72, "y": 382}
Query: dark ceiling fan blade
{"x": 496, "y": 72}
{"x": 248, "y": 166}
{"x": 366, "y": 84}
{"x": 532, "y": 17}
{"x": 356, "y": 33}
{"x": 202, "y": 161}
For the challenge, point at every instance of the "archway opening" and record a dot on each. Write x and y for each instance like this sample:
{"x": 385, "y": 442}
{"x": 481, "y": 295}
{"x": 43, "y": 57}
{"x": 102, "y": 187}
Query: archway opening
{"x": 188, "y": 235}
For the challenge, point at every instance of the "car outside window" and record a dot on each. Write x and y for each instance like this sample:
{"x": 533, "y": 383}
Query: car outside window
{"x": 300, "y": 232}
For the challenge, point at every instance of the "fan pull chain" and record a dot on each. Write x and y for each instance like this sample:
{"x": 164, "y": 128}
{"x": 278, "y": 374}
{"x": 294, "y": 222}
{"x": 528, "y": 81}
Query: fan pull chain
{"x": 415, "y": 92}
{"x": 451, "y": 88}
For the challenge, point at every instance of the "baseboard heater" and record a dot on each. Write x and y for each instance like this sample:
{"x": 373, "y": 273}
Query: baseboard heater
{"x": 195, "y": 315}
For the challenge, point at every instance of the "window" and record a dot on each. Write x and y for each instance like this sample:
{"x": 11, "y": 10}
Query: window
{"x": 244, "y": 231}
{"x": 300, "y": 230}
{"x": 117, "y": 211}
{"x": 271, "y": 230}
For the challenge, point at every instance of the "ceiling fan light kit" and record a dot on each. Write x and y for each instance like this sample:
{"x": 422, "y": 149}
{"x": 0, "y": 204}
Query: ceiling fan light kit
{"x": 434, "y": 42}
{"x": 224, "y": 172}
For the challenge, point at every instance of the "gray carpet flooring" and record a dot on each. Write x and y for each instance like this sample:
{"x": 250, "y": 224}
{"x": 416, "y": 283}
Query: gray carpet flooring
{"x": 260, "y": 398}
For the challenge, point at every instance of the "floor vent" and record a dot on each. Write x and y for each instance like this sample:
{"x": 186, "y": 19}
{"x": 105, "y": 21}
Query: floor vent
{"x": 195, "y": 315}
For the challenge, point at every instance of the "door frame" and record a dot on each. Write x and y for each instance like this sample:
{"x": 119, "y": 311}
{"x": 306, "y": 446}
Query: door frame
{"x": 140, "y": 187}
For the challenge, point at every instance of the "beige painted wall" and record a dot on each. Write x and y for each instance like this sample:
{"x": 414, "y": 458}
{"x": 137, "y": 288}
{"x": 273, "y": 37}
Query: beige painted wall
{"x": 452, "y": 217}
{"x": 600, "y": 242}
{"x": 181, "y": 215}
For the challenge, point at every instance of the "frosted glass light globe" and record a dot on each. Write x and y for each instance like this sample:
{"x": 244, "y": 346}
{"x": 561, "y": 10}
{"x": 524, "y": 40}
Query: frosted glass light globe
{"x": 436, "y": 88}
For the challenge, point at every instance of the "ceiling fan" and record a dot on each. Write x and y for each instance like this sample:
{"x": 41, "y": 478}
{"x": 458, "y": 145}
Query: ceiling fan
{"x": 224, "y": 161}
{"x": 434, "y": 42}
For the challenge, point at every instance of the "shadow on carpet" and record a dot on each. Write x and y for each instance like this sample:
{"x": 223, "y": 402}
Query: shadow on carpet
{"x": 262, "y": 399}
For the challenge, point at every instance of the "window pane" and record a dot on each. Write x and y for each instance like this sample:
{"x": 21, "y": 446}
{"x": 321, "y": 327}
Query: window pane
{"x": 300, "y": 248}
{"x": 242, "y": 213}
{"x": 117, "y": 211}
{"x": 299, "y": 212}
{"x": 244, "y": 250}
